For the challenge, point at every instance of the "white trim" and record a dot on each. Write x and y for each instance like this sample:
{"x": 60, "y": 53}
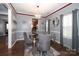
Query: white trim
{"x": 21, "y": 31}
{"x": 55, "y": 32}
{"x": 10, "y": 28}
{"x": 14, "y": 43}
{"x": 57, "y": 41}
{"x": 21, "y": 39}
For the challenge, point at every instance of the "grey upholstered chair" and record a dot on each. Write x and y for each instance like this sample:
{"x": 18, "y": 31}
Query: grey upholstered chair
{"x": 27, "y": 40}
{"x": 44, "y": 43}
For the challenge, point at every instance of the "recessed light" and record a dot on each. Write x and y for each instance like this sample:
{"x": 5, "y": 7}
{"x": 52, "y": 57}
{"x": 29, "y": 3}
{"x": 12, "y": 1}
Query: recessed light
{"x": 37, "y": 6}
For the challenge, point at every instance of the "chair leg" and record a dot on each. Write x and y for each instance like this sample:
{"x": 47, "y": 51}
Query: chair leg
{"x": 44, "y": 53}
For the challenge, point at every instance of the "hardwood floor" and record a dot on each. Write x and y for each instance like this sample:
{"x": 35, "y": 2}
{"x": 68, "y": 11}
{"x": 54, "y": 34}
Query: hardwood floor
{"x": 63, "y": 50}
{"x": 3, "y": 46}
{"x": 18, "y": 48}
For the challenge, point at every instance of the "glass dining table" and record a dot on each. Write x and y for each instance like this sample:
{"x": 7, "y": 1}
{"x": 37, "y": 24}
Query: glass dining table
{"x": 35, "y": 48}
{"x": 34, "y": 38}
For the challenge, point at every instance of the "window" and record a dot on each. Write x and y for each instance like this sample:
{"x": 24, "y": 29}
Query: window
{"x": 7, "y": 26}
{"x": 67, "y": 26}
{"x": 46, "y": 25}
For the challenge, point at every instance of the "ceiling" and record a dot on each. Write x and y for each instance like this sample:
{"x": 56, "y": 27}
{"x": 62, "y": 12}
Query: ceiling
{"x": 31, "y": 8}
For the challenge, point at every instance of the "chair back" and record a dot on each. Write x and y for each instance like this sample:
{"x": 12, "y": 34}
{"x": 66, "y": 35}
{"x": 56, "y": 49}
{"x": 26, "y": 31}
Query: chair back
{"x": 44, "y": 42}
{"x": 27, "y": 40}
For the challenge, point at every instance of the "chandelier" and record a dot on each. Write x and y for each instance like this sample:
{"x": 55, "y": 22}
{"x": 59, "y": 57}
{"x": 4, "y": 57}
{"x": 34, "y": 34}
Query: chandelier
{"x": 38, "y": 16}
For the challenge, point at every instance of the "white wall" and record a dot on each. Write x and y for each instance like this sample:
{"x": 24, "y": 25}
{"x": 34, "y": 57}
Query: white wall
{"x": 9, "y": 28}
{"x": 12, "y": 26}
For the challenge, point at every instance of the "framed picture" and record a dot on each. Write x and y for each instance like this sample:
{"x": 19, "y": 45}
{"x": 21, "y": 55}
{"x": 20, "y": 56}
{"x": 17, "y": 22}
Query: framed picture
{"x": 55, "y": 22}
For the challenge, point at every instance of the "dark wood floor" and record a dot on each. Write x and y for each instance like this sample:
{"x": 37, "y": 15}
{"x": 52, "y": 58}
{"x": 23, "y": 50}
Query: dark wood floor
{"x": 18, "y": 49}
{"x": 3, "y": 46}
{"x": 63, "y": 51}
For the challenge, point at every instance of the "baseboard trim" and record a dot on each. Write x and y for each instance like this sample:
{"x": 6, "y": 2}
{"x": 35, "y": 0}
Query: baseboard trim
{"x": 14, "y": 43}
{"x": 21, "y": 39}
{"x": 57, "y": 41}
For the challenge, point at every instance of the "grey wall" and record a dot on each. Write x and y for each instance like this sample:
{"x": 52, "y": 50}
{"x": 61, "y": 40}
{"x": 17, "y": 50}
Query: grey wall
{"x": 24, "y": 24}
{"x": 55, "y": 31}
{"x": 41, "y": 25}
{"x": 14, "y": 24}
{"x": 3, "y": 18}
{"x": 67, "y": 42}
{"x": 2, "y": 27}
{"x": 78, "y": 27}
{"x": 3, "y": 9}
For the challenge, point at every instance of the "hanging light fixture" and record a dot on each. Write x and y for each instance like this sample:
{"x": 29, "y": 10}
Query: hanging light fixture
{"x": 37, "y": 15}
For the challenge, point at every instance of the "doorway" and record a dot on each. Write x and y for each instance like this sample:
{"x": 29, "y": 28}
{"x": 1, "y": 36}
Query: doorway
{"x": 3, "y": 28}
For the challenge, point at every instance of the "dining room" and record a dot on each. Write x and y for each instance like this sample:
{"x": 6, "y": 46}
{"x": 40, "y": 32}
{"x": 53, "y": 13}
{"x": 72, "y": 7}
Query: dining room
{"x": 42, "y": 29}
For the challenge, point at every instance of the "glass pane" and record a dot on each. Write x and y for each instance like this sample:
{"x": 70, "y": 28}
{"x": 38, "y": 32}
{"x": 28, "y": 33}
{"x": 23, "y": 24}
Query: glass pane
{"x": 67, "y": 26}
{"x": 7, "y": 26}
{"x": 46, "y": 25}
